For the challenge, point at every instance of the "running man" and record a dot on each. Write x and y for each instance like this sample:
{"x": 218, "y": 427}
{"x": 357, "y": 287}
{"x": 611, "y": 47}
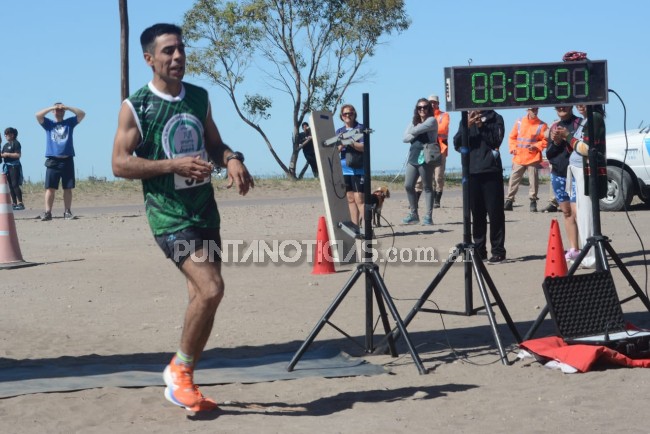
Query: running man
{"x": 166, "y": 137}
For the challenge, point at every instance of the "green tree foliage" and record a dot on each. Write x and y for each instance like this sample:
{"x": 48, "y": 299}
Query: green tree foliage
{"x": 309, "y": 50}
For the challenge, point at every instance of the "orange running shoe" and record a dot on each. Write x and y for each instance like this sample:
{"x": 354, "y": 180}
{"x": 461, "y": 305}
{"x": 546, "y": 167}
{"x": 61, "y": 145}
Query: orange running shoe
{"x": 180, "y": 389}
{"x": 205, "y": 404}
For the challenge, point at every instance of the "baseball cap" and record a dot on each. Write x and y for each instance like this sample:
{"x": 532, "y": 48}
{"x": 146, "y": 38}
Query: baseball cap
{"x": 434, "y": 98}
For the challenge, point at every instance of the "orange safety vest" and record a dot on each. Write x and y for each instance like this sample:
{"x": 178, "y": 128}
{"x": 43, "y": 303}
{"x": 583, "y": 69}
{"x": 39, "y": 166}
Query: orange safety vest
{"x": 527, "y": 140}
{"x": 443, "y": 130}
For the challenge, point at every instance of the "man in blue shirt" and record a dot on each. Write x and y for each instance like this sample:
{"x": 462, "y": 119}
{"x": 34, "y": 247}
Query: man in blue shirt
{"x": 59, "y": 154}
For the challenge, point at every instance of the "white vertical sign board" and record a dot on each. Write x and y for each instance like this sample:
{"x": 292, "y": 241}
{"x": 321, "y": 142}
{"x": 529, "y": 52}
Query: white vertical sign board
{"x": 333, "y": 186}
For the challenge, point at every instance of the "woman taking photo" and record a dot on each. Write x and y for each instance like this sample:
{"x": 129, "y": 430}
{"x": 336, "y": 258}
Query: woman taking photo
{"x": 558, "y": 153}
{"x": 353, "y": 173}
{"x": 422, "y": 134}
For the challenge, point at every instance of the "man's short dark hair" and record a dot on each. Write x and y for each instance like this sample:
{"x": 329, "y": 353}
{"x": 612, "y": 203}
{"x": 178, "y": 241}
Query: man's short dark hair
{"x": 305, "y": 124}
{"x": 11, "y": 130}
{"x": 149, "y": 35}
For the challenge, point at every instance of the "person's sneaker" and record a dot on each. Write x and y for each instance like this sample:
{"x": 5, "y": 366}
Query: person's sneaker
{"x": 533, "y": 206}
{"x": 19, "y": 207}
{"x": 411, "y": 219}
{"x": 68, "y": 215}
{"x": 427, "y": 221}
{"x": 508, "y": 205}
{"x": 204, "y": 404}
{"x": 46, "y": 216}
{"x": 496, "y": 259}
{"x": 551, "y": 207}
{"x": 181, "y": 390}
{"x": 572, "y": 254}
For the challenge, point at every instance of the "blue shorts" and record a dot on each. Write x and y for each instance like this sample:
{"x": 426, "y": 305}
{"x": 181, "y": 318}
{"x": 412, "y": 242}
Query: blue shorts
{"x": 559, "y": 189}
{"x": 179, "y": 246}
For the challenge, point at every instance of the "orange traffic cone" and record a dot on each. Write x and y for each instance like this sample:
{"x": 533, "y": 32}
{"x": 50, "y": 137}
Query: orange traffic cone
{"x": 555, "y": 261}
{"x": 323, "y": 261}
{"x": 10, "y": 255}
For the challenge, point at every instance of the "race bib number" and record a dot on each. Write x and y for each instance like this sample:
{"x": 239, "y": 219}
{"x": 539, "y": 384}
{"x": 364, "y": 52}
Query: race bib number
{"x": 183, "y": 182}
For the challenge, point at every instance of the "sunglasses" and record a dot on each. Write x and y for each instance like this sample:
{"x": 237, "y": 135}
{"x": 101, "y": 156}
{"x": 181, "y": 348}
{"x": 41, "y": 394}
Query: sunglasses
{"x": 348, "y": 114}
{"x": 423, "y": 107}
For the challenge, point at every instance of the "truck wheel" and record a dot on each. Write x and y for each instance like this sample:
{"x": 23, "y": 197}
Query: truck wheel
{"x": 620, "y": 190}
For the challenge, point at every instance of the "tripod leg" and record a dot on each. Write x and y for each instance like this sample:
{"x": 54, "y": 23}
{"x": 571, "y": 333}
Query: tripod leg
{"x": 384, "y": 319}
{"x": 601, "y": 259}
{"x": 325, "y": 318}
{"x": 499, "y": 301}
{"x": 369, "y": 315}
{"x": 451, "y": 260}
{"x": 476, "y": 262}
{"x": 469, "y": 292}
{"x": 538, "y": 322}
{"x": 628, "y": 276}
{"x": 398, "y": 320}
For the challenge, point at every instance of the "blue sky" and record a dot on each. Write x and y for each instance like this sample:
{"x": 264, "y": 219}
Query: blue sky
{"x": 69, "y": 51}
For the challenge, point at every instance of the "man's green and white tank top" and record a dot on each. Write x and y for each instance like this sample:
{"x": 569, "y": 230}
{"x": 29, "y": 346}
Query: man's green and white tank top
{"x": 172, "y": 127}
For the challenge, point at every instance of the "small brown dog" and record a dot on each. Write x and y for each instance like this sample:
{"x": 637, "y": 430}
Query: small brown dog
{"x": 378, "y": 197}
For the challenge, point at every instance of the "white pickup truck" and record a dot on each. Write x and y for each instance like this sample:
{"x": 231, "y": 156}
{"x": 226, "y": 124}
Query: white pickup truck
{"x": 627, "y": 176}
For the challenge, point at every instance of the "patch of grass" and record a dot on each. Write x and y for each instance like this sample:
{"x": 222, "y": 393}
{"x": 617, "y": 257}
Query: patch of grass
{"x": 101, "y": 186}
{"x": 92, "y": 186}
{"x": 284, "y": 183}
{"x": 452, "y": 178}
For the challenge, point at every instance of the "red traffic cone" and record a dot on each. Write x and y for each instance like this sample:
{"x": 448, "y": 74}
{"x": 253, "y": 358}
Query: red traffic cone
{"x": 323, "y": 261}
{"x": 9, "y": 248}
{"x": 555, "y": 261}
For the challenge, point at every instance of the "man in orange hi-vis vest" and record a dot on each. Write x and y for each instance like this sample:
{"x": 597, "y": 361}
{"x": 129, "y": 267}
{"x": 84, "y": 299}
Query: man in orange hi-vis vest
{"x": 527, "y": 140}
{"x": 443, "y": 134}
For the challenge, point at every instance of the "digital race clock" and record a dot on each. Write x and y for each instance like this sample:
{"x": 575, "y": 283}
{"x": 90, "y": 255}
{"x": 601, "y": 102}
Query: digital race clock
{"x": 526, "y": 85}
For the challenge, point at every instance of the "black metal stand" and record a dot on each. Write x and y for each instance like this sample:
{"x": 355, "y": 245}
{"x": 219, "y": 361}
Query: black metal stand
{"x": 598, "y": 241}
{"x": 375, "y": 286}
{"x": 472, "y": 264}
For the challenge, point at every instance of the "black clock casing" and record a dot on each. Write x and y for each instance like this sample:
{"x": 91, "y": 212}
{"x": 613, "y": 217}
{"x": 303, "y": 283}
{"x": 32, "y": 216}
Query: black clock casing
{"x": 525, "y": 85}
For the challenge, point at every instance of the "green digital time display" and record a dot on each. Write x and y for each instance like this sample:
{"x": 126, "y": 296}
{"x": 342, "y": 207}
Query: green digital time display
{"x": 527, "y": 85}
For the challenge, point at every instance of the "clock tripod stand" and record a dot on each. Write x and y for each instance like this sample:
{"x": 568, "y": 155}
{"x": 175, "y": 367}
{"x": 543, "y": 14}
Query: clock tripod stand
{"x": 473, "y": 264}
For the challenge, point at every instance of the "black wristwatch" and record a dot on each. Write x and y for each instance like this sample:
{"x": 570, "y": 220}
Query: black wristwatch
{"x": 235, "y": 156}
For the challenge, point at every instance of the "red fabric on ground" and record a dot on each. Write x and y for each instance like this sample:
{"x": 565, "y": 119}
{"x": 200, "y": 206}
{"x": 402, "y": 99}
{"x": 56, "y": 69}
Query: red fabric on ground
{"x": 581, "y": 357}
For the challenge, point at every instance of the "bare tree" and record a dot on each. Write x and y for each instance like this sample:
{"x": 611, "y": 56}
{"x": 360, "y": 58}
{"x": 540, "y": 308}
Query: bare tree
{"x": 310, "y": 50}
{"x": 124, "y": 48}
